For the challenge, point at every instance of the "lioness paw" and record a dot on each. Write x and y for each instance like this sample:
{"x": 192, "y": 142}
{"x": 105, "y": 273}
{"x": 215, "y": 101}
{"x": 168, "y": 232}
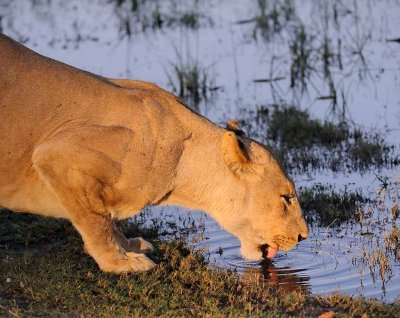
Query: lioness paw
{"x": 139, "y": 262}
{"x": 139, "y": 245}
{"x": 130, "y": 263}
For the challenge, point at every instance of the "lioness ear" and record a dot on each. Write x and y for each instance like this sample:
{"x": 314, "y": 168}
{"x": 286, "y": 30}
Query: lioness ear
{"x": 233, "y": 125}
{"x": 233, "y": 154}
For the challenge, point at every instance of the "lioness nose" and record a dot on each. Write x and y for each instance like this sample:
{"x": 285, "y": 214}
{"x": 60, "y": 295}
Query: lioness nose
{"x": 300, "y": 238}
{"x": 304, "y": 231}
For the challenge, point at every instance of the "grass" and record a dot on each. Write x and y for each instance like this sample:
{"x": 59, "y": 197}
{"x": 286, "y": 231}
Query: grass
{"x": 45, "y": 273}
{"x": 382, "y": 254}
{"x": 271, "y": 18}
{"x": 365, "y": 153}
{"x": 143, "y": 15}
{"x": 189, "y": 19}
{"x": 392, "y": 242}
{"x": 316, "y": 53}
{"x": 301, "y": 48}
{"x": 304, "y": 143}
{"x": 191, "y": 81}
{"x": 324, "y": 206}
{"x": 314, "y": 56}
{"x": 372, "y": 222}
{"x": 377, "y": 233}
{"x": 295, "y": 128}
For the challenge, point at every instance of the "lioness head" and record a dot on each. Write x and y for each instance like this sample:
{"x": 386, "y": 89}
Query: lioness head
{"x": 271, "y": 217}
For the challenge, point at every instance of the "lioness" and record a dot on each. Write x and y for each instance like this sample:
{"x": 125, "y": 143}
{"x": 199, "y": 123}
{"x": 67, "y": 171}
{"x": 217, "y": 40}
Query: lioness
{"x": 90, "y": 149}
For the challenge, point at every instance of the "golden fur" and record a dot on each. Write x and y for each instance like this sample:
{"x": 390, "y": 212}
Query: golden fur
{"x": 79, "y": 146}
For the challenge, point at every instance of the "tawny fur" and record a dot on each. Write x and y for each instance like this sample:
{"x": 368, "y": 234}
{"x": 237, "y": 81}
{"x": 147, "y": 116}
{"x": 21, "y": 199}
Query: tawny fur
{"x": 90, "y": 149}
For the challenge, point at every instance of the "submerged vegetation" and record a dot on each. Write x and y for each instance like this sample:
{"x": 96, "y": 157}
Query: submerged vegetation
{"x": 44, "y": 272}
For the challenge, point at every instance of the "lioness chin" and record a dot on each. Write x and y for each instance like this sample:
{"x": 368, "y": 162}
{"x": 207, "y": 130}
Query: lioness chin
{"x": 90, "y": 149}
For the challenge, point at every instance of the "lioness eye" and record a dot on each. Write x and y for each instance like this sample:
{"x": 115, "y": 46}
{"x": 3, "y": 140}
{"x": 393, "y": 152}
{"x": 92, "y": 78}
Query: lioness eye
{"x": 286, "y": 198}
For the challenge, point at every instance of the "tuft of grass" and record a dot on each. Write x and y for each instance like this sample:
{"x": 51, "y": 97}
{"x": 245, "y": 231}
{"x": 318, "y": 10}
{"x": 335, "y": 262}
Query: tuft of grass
{"x": 189, "y": 19}
{"x": 395, "y": 211}
{"x": 143, "y": 15}
{"x": 301, "y": 49}
{"x": 51, "y": 276}
{"x": 323, "y": 205}
{"x": 378, "y": 262}
{"x": 272, "y": 18}
{"x": 379, "y": 253}
{"x": 294, "y": 128}
{"x": 392, "y": 242}
{"x": 365, "y": 153}
{"x": 191, "y": 81}
{"x": 304, "y": 143}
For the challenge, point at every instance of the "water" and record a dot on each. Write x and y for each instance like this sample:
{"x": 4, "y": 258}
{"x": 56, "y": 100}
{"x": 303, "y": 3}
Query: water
{"x": 353, "y": 77}
{"x": 331, "y": 260}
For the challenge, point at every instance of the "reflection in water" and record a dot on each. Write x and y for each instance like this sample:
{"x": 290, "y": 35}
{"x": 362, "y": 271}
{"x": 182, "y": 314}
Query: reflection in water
{"x": 286, "y": 278}
{"x": 330, "y": 260}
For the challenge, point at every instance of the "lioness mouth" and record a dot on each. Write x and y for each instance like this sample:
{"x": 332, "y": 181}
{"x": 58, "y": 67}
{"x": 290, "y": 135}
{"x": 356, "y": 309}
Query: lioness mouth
{"x": 268, "y": 251}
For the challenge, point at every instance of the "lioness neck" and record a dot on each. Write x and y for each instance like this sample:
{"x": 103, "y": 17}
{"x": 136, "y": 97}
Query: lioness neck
{"x": 203, "y": 182}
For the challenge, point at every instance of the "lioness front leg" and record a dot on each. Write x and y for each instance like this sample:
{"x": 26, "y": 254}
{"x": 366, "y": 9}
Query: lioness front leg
{"x": 100, "y": 242}
{"x": 80, "y": 174}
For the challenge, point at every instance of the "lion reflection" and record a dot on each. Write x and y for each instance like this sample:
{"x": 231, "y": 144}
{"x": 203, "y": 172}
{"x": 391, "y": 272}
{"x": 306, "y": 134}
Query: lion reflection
{"x": 287, "y": 279}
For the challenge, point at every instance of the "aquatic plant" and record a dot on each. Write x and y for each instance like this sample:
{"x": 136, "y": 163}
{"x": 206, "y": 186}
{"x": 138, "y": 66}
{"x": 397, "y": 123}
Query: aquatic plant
{"x": 141, "y": 15}
{"x": 378, "y": 238}
{"x": 392, "y": 242}
{"x": 304, "y": 143}
{"x": 295, "y": 128}
{"x": 270, "y": 18}
{"x": 374, "y": 151}
{"x": 326, "y": 207}
{"x": 191, "y": 81}
{"x": 301, "y": 48}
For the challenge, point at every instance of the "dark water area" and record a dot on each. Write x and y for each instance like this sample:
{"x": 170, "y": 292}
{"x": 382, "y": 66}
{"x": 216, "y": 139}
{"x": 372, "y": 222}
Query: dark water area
{"x": 318, "y": 81}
